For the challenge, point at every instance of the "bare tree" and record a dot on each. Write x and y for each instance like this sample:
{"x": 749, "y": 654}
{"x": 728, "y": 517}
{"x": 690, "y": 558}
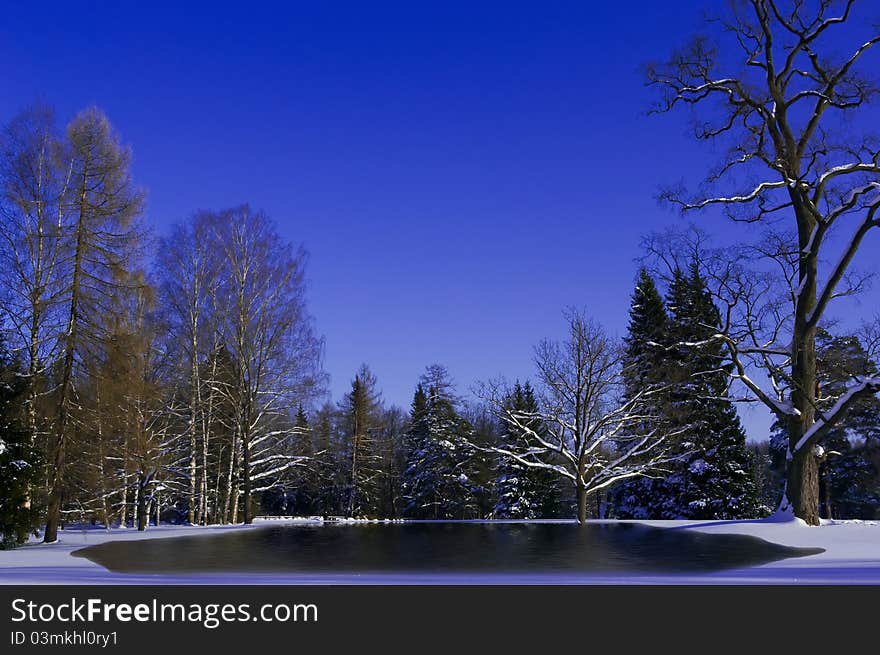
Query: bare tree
{"x": 190, "y": 262}
{"x": 35, "y": 181}
{"x": 96, "y": 231}
{"x": 782, "y": 114}
{"x": 589, "y": 434}
{"x": 269, "y": 334}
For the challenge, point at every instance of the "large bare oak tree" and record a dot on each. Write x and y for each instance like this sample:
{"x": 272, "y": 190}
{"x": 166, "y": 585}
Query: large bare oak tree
{"x": 786, "y": 105}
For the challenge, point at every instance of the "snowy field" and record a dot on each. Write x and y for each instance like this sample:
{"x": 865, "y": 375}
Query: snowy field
{"x": 852, "y": 556}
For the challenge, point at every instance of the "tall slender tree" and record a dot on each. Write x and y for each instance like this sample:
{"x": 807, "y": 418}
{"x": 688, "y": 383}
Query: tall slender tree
{"x": 189, "y": 264}
{"x": 363, "y": 414}
{"x": 99, "y": 211}
{"x": 35, "y": 179}
{"x": 270, "y": 336}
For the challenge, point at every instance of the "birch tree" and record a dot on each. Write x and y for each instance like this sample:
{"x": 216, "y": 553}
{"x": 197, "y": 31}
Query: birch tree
{"x": 269, "y": 334}
{"x": 784, "y": 104}
{"x": 584, "y": 429}
{"x": 35, "y": 180}
{"x": 190, "y": 263}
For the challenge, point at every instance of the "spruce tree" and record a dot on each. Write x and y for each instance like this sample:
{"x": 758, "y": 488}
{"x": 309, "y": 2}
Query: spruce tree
{"x": 644, "y": 365}
{"x": 362, "y": 411}
{"x": 713, "y": 478}
{"x": 439, "y": 480}
{"x": 849, "y": 482}
{"x": 523, "y": 492}
{"x": 329, "y": 483}
{"x": 849, "y": 468}
{"x": 416, "y": 441}
{"x": 302, "y": 500}
{"x": 19, "y": 460}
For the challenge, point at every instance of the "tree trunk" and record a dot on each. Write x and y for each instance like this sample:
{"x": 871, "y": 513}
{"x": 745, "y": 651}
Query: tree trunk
{"x": 206, "y": 422}
{"x": 829, "y": 514}
{"x": 33, "y": 354}
{"x": 105, "y": 508}
{"x": 246, "y": 475}
{"x": 230, "y": 471}
{"x": 142, "y": 514}
{"x": 803, "y": 486}
{"x": 53, "y": 513}
{"x": 136, "y": 502}
{"x": 803, "y": 473}
{"x": 123, "y": 511}
{"x": 236, "y": 486}
{"x": 193, "y": 409}
{"x": 203, "y": 488}
{"x": 352, "y": 492}
{"x": 582, "y": 503}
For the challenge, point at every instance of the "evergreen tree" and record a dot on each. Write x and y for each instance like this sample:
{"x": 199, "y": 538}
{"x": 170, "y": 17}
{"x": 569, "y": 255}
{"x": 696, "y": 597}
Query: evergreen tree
{"x": 714, "y": 479}
{"x": 330, "y": 485}
{"x": 849, "y": 470}
{"x": 644, "y": 364}
{"x": 524, "y": 492}
{"x": 849, "y": 482}
{"x": 768, "y": 482}
{"x": 19, "y": 460}
{"x": 301, "y": 497}
{"x": 646, "y": 336}
{"x": 392, "y": 461}
{"x": 486, "y": 432}
{"x": 362, "y": 412}
{"x": 712, "y": 475}
{"x": 438, "y": 482}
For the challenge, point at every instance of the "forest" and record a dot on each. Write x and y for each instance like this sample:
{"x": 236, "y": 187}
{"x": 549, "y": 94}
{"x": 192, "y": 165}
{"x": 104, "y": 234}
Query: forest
{"x": 177, "y": 378}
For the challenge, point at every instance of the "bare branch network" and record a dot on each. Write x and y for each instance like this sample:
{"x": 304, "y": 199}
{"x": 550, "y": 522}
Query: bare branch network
{"x": 781, "y": 116}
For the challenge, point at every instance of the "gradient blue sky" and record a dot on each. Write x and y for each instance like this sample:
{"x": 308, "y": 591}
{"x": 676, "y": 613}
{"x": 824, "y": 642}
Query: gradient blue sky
{"x": 460, "y": 172}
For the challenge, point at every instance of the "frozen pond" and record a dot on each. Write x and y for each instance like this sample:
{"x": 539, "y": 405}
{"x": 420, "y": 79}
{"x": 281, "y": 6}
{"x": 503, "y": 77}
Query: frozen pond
{"x": 443, "y": 547}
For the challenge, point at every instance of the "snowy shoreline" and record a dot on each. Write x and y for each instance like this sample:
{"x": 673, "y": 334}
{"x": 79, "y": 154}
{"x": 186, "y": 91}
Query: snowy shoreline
{"x": 851, "y": 556}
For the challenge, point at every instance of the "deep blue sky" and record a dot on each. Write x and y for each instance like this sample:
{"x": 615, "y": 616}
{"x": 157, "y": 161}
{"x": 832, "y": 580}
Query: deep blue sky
{"x": 459, "y": 173}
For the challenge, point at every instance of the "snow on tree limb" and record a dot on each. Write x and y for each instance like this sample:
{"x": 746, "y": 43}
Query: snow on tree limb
{"x": 834, "y": 415}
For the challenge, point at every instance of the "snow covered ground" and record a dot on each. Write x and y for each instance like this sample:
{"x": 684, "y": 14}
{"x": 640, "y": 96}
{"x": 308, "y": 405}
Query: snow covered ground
{"x": 852, "y": 556}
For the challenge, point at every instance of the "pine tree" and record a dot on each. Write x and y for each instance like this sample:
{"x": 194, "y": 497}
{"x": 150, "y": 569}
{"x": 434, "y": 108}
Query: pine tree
{"x": 644, "y": 364}
{"x": 19, "y": 460}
